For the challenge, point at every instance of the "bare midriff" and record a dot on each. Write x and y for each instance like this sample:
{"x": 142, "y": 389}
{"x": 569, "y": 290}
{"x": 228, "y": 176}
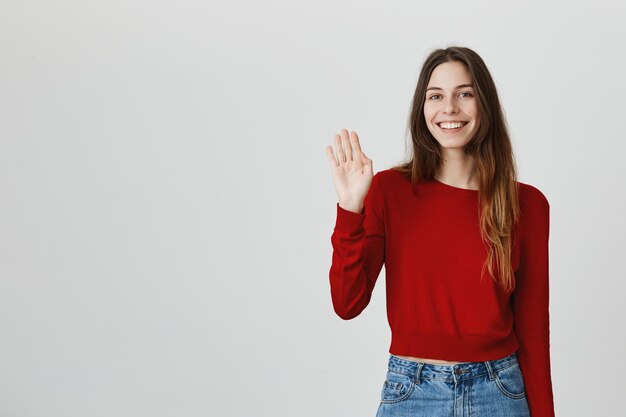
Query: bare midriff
{"x": 427, "y": 360}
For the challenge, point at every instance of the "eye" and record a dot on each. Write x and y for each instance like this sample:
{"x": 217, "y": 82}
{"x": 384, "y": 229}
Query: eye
{"x": 464, "y": 92}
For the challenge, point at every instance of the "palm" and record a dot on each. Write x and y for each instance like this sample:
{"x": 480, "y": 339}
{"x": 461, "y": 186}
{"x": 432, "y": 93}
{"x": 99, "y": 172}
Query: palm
{"x": 352, "y": 170}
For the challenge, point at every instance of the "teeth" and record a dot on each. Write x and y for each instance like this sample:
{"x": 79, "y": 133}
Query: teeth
{"x": 451, "y": 125}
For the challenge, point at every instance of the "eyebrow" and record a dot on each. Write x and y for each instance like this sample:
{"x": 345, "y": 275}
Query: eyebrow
{"x": 458, "y": 86}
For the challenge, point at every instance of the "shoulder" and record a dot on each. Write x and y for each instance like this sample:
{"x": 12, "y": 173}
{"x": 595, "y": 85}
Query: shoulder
{"x": 390, "y": 178}
{"x": 531, "y": 197}
{"x": 387, "y": 182}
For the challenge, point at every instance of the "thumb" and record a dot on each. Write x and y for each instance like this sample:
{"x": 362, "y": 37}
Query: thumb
{"x": 367, "y": 162}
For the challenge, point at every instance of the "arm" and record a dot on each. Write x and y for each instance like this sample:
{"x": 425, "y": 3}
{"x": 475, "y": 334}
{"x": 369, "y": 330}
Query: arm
{"x": 531, "y": 311}
{"x": 358, "y": 242}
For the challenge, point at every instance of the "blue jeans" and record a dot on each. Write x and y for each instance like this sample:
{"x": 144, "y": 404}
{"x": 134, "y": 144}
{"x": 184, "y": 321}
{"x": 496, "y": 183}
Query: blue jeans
{"x": 478, "y": 389}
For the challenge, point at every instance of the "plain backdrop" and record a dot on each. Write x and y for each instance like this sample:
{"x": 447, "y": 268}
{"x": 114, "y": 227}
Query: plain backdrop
{"x": 166, "y": 202}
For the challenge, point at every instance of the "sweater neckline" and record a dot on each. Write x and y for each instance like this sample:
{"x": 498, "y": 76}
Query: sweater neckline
{"x": 452, "y": 189}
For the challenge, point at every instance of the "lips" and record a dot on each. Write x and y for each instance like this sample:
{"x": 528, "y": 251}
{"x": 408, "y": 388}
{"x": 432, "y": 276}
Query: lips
{"x": 451, "y": 131}
{"x": 455, "y": 121}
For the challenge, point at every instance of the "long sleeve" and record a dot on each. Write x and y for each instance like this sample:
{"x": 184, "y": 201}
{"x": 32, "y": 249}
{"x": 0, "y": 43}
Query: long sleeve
{"x": 531, "y": 310}
{"x": 358, "y": 242}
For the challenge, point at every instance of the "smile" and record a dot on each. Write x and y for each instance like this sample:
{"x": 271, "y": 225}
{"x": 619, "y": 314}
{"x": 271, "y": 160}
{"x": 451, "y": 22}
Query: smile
{"x": 451, "y": 127}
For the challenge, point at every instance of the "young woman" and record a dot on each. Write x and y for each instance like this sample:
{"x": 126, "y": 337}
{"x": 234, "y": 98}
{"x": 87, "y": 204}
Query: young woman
{"x": 465, "y": 248}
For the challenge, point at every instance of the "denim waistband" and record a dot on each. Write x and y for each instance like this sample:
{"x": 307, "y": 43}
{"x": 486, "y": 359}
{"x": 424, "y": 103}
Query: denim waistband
{"x": 451, "y": 373}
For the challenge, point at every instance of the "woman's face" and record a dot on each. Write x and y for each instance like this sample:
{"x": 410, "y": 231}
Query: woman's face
{"x": 450, "y": 96}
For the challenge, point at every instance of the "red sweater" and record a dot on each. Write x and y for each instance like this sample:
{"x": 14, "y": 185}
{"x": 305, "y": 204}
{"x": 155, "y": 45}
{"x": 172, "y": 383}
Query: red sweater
{"x": 428, "y": 237}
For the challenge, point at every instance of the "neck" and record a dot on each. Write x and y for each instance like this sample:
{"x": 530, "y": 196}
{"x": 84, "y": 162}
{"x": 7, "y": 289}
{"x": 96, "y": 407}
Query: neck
{"x": 458, "y": 170}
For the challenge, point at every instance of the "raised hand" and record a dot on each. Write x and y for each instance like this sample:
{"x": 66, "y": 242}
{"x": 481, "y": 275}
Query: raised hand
{"x": 352, "y": 171}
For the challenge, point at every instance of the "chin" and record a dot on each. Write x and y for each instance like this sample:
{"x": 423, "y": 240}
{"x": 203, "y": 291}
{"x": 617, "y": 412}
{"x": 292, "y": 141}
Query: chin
{"x": 452, "y": 143}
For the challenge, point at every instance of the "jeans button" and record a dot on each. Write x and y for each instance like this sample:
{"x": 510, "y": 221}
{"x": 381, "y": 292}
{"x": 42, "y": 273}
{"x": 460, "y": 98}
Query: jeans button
{"x": 458, "y": 371}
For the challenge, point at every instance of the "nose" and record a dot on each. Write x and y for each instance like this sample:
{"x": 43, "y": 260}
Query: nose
{"x": 450, "y": 106}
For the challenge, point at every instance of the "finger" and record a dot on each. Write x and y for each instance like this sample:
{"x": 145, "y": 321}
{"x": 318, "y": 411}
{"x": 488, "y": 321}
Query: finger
{"x": 331, "y": 156}
{"x": 367, "y": 163}
{"x": 345, "y": 138}
{"x": 341, "y": 156}
{"x": 356, "y": 146}
{"x": 364, "y": 158}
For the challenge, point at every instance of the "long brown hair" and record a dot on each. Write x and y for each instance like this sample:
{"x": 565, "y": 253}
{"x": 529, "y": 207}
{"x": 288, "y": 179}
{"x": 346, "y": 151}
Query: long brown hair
{"x": 491, "y": 148}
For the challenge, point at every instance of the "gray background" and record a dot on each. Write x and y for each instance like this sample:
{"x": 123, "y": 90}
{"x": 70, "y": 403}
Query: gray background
{"x": 167, "y": 204}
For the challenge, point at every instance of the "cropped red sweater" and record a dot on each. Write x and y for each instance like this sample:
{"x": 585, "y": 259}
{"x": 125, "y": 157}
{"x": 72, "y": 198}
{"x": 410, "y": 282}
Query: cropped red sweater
{"x": 428, "y": 237}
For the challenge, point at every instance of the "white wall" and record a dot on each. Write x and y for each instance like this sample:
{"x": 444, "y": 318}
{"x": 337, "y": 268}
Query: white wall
{"x": 166, "y": 202}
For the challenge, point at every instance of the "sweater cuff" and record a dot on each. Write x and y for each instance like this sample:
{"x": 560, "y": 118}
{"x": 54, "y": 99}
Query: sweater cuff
{"x": 348, "y": 221}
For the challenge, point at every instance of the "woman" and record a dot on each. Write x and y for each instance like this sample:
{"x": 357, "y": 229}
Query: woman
{"x": 465, "y": 248}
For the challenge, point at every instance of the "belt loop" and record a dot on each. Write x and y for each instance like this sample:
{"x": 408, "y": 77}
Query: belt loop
{"x": 418, "y": 373}
{"x": 490, "y": 370}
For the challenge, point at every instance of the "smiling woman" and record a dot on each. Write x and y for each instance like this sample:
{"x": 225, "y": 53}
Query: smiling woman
{"x": 466, "y": 252}
{"x": 452, "y": 112}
